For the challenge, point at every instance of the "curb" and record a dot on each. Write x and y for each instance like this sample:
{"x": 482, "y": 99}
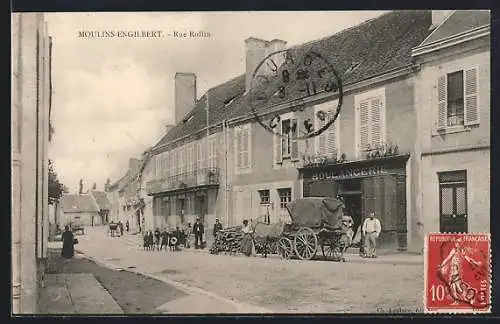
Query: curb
{"x": 190, "y": 290}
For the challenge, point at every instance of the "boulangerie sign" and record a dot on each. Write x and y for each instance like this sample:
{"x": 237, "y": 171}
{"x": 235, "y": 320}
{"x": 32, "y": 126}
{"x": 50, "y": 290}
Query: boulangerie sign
{"x": 350, "y": 173}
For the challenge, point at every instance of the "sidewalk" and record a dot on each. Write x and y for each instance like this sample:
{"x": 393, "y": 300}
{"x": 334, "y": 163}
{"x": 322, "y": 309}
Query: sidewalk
{"x": 76, "y": 293}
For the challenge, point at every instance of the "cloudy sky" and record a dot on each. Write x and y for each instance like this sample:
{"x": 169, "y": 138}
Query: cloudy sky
{"x": 113, "y": 96}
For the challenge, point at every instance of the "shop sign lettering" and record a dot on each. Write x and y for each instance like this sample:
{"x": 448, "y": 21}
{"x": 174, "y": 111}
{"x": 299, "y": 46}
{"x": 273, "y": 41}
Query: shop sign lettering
{"x": 349, "y": 173}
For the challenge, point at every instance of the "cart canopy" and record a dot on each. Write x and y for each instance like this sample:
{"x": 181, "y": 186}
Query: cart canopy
{"x": 315, "y": 211}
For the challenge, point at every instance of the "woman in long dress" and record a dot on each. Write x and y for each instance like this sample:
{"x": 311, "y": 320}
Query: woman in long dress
{"x": 247, "y": 241}
{"x": 68, "y": 239}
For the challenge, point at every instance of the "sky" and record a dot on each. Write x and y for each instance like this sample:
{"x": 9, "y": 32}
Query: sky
{"x": 112, "y": 97}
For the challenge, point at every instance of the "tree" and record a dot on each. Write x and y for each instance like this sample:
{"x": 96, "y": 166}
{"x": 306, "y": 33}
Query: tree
{"x": 94, "y": 186}
{"x": 56, "y": 188}
{"x": 80, "y": 187}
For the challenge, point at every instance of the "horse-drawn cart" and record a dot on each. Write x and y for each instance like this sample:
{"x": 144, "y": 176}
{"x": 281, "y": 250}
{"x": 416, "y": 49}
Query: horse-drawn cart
{"x": 317, "y": 223}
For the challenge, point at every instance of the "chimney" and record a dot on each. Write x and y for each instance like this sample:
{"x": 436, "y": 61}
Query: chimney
{"x": 274, "y": 46}
{"x": 185, "y": 95}
{"x": 256, "y": 51}
{"x": 438, "y": 16}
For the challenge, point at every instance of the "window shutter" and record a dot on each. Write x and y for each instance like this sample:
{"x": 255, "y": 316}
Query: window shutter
{"x": 471, "y": 97}
{"x": 244, "y": 148}
{"x": 331, "y": 136}
{"x": 321, "y": 149}
{"x": 294, "y": 142}
{"x": 376, "y": 122}
{"x": 278, "y": 152}
{"x": 363, "y": 126}
{"x": 237, "y": 147}
{"x": 249, "y": 146}
{"x": 442, "y": 102}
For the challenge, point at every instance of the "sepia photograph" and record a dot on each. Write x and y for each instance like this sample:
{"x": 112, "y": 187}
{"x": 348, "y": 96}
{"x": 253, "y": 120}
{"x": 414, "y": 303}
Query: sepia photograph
{"x": 250, "y": 162}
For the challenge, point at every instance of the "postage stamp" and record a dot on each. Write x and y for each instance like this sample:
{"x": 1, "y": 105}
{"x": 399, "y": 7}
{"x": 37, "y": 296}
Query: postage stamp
{"x": 457, "y": 273}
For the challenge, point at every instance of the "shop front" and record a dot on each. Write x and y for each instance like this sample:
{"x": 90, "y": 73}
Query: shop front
{"x": 374, "y": 185}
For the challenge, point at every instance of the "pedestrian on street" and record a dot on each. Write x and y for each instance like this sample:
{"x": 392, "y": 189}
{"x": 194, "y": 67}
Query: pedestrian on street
{"x": 188, "y": 231}
{"x": 120, "y": 227}
{"x": 198, "y": 231}
{"x": 217, "y": 227}
{"x": 164, "y": 239}
{"x": 247, "y": 241}
{"x": 127, "y": 226}
{"x": 371, "y": 231}
{"x": 68, "y": 239}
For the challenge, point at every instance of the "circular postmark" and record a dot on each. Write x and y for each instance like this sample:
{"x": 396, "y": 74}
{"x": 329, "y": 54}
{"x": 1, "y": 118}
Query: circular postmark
{"x": 284, "y": 77}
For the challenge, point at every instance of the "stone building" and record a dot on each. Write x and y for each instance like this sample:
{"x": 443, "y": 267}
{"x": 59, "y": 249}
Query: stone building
{"x": 31, "y": 98}
{"x": 452, "y": 95}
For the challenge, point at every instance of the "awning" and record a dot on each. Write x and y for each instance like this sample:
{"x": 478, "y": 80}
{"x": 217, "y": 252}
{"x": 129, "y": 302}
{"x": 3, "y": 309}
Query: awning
{"x": 198, "y": 190}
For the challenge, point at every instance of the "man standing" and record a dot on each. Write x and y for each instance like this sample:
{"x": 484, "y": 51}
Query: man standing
{"x": 198, "y": 231}
{"x": 371, "y": 231}
{"x": 217, "y": 227}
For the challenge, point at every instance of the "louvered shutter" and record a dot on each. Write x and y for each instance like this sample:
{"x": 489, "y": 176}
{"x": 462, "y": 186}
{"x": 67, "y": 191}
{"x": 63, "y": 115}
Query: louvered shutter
{"x": 321, "y": 149}
{"x": 237, "y": 147}
{"x": 294, "y": 142}
{"x": 471, "y": 97}
{"x": 278, "y": 152}
{"x": 331, "y": 136}
{"x": 244, "y": 148}
{"x": 442, "y": 101}
{"x": 376, "y": 122}
{"x": 363, "y": 126}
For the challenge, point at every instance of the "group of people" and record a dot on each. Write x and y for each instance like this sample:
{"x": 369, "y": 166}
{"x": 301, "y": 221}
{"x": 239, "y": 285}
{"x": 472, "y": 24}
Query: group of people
{"x": 180, "y": 236}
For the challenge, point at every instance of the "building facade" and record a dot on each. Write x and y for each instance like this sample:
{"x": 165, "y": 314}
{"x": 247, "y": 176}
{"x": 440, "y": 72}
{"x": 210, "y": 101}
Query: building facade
{"x": 79, "y": 209}
{"x": 31, "y": 98}
{"x": 453, "y": 104}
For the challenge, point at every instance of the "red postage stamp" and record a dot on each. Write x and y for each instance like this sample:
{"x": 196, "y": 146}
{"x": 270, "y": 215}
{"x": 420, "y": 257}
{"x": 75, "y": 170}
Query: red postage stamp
{"x": 457, "y": 273}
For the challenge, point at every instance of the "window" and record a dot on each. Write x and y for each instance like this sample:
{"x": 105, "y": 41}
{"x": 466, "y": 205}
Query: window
{"x": 212, "y": 154}
{"x": 370, "y": 120}
{"x": 286, "y": 146}
{"x": 190, "y": 158}
{"x": 455, "y": 89}
{"x": 453, "y": 201}
{"x": 157, "y": 166}
{"x": 264, "y": 196}
{"x": 327, "y": 142}
{"x": 458, "y": 99}
{"x": 201, "y": 155}
{"x": 243, "y": 143}
{"x": 285, "y": 195}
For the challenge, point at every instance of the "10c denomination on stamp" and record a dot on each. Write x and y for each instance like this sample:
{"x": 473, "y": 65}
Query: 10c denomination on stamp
{"x": 457, "y": 273}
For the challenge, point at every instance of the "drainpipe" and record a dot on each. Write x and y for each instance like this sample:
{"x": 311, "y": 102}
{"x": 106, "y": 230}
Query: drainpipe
{"x": 226, "y": 188}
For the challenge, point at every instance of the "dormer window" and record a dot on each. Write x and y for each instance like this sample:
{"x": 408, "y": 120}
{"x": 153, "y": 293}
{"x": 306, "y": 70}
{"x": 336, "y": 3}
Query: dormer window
{"x": 352, "y": 67}
{"x": 187, "y": 119}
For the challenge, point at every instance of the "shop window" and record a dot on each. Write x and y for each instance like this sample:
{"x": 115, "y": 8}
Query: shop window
{"x": 453, "y": 201}
{"x": 264, "y": 196}
{"x": 285, "y": 195}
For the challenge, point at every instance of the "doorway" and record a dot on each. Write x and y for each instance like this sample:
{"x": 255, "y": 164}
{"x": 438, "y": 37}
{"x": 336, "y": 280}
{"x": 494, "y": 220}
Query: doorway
{"x": 201, "y": 208}
{"x": 352, "y": 208}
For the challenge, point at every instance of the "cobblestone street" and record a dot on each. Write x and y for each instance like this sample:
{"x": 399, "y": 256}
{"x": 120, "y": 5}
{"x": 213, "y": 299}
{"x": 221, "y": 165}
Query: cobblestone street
{"x": 278, "y": 285}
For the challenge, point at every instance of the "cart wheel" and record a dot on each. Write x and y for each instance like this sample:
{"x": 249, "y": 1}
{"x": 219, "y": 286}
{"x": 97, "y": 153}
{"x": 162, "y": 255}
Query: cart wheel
{"x": 285, "y": 248}
{"x": 327, "y": 251}
{"x": 305, "y": 243}
{"x": 337, "y": 252}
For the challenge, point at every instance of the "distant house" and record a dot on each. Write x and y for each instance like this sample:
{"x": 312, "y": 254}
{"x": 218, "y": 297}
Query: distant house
{"x": 103, "y": 204}
{"x": 82, "y": 209}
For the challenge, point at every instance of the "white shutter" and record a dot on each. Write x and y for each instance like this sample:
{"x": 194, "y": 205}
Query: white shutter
{"x": 471, "y": 97}
{"x": 321, "y": 148}
{"x": 237, "y": 147}
{"x": 442, "y": 101}
{"x": 331, "y": 136}
{"x": 363, "y": 126}
{"x": 245, "y": 139}
{"x": 278, "y": 153}
{"x": 294, "y": 150}
{"x": 376, "y": 122}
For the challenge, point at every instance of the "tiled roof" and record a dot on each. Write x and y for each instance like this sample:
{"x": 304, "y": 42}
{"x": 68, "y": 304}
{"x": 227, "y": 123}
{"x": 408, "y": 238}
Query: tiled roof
{"x": 378, "y": 45}
{"x": 458, "y": 22}
{"x": 101, "y": 199}
{"x": 78, "y": 204}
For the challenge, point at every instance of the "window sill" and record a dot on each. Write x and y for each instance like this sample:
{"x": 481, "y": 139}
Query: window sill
{"x": 451, "y": 130}
{"x": 243, "y": 171}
